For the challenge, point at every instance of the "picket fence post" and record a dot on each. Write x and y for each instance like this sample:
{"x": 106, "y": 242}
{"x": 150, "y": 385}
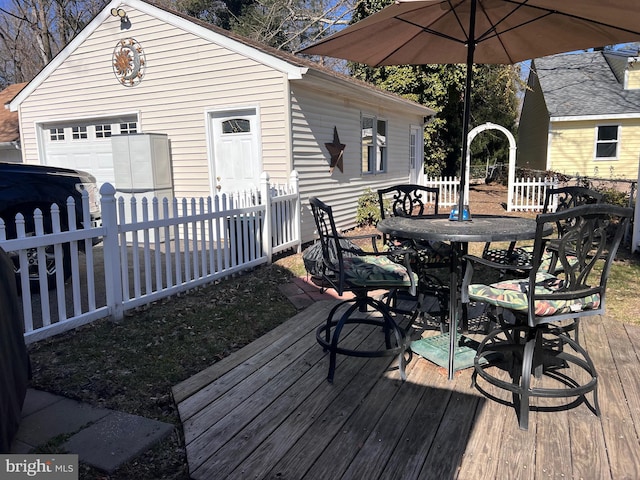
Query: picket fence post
{"x": 265, "y": 194}
{"x": 112, "y": 272}
{"x": 294, "y": 180}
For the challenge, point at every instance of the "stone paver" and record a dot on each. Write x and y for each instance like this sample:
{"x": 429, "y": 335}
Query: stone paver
{"x": 100, "y": 437}
{"x": 112, "y": 440}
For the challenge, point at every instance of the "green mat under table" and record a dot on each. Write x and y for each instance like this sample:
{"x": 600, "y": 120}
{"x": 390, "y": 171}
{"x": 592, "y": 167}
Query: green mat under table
{"x": 436, "y": 350}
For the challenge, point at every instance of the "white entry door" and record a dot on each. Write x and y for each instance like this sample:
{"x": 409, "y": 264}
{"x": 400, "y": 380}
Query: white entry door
{"x": 236, "y": 150}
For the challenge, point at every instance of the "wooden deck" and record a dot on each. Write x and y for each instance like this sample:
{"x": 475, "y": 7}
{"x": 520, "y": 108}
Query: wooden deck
{"x": 267, "y": 411}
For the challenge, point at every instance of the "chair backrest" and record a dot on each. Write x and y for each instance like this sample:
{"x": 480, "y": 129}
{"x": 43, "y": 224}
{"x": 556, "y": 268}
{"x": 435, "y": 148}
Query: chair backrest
{"x": 330, "y": 242}
{"x": 408, "y": 200}
{"x": 569, "y": 197}
{"x": 581, "y": 258}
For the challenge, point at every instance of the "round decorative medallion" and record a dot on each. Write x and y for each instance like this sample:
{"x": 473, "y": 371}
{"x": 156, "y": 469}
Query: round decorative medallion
{"x": 128, "y": 62}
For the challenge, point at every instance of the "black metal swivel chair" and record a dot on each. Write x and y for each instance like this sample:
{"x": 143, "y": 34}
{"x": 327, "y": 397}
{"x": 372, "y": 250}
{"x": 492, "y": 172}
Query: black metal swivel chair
{"x": 555, "y": 199}
{"x": 359, "y": 272}
{"x": 410, "y": 200}
{"x": 531, "y": 341}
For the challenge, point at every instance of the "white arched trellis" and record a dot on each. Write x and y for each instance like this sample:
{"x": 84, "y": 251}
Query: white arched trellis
{"x": 512, "y": 159}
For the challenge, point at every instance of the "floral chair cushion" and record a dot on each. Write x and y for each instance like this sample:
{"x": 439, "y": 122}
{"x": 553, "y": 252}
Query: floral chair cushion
{"x": 376, "y": 271}
{"x": 511, "y": 294}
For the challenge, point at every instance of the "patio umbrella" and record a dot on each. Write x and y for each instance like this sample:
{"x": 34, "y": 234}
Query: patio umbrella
{"x": 417, "y": 32}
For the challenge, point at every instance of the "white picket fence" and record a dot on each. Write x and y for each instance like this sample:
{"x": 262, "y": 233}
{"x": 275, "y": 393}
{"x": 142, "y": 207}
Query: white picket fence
{"x": 449, "y": 188}
{"x": 177, "y": 245}
{"x": 527, "y": 194}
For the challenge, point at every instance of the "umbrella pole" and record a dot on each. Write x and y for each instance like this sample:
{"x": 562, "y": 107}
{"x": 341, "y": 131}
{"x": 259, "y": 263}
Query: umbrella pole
{"x": 453, "y": 321}
{"x": 466, "y": 120}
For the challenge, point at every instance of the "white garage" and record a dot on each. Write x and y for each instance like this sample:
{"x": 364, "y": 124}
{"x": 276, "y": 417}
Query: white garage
{"x": 84, "y": 144}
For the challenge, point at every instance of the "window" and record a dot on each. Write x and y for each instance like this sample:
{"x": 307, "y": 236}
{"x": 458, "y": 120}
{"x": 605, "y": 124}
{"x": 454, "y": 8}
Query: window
{"x": 103, "y": 131}
{"x": 78, "y": 133}
{"x": 607, "y": 141}
{"x": 129, "y": 127}
{"x": 236, "y": 125}
{"x": 374, "y": 145}
{"x": 56, "y": 134}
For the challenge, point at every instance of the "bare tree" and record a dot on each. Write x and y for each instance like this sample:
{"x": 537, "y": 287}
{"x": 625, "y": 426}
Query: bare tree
{"x": 283, "y": 24}
{"x": 32, "y": 32}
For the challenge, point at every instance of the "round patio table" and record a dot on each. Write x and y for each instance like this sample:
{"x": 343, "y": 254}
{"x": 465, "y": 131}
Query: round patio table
{"x": 481, "y": 228}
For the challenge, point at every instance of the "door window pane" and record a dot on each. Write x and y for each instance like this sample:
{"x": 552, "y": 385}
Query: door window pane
{"x": 236, "y": 125}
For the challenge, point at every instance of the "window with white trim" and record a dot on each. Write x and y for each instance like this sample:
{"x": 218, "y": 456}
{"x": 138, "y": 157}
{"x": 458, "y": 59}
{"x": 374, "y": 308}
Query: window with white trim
{"x": 129, "y": 127}
{"x": 103, "y": 131}
{"x": 607, "y": 141}
{"x": 56, "y": 134}
{"x": 79, "y": 133}
{"x": 374, "y": 144}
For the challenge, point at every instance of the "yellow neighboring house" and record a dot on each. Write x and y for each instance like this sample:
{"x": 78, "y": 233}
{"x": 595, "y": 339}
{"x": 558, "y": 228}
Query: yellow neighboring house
{"x": 581, "y": 115}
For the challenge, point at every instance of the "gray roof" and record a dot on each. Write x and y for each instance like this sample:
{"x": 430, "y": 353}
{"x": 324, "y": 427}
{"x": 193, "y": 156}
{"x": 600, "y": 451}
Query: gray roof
{"x": 583, "y": 84}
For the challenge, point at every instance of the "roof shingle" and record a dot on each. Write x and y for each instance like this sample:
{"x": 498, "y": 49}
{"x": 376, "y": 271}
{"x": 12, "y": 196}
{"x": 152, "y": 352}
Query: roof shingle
{"x": 583, "y": 84}
{"x": 9, "y": 128}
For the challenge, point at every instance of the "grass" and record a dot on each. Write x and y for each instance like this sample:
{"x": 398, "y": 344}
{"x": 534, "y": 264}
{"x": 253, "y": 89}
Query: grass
{"x": 132, "y": 365}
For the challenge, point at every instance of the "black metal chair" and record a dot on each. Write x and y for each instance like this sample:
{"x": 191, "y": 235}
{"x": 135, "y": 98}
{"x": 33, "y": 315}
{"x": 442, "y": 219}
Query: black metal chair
{"x": 410, "y": 200}
{"x": 529, "y": 312}
{"x": 556, "y": 199}
{"x": 348, "y": 269}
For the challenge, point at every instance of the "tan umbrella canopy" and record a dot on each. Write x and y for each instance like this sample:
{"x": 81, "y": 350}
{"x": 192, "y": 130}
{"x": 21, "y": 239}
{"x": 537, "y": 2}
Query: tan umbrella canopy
{"x": 418, "y": 32}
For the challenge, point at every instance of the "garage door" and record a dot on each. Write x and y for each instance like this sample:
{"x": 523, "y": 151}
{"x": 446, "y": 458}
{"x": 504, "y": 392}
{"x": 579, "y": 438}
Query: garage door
{"x": 85, "y": 145}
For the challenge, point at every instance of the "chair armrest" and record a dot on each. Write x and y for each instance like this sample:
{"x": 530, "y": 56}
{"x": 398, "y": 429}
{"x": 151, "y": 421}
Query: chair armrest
{"x": 374, "y": 237}
{"x": 495, "y": 265}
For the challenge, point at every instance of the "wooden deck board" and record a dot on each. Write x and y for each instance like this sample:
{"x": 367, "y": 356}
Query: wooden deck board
{"x": 621, "y": 439}
{"x": 267, "y": 411}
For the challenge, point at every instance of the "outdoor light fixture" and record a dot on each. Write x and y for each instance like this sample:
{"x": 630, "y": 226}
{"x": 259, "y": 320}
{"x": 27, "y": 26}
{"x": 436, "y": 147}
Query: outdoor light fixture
{"x": 119, "y": 12}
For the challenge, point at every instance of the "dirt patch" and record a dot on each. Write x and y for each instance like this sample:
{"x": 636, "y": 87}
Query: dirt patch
{"x": 489, "y": 199}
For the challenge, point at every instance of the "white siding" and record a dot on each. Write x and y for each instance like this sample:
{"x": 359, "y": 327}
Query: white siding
{"x": 314, "y": 115}
{"x": 185, "y": 76}
{"x": 190, "y": 72}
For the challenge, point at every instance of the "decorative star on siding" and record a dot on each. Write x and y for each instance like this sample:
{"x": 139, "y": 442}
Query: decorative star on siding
{"x": 336, "y": 149}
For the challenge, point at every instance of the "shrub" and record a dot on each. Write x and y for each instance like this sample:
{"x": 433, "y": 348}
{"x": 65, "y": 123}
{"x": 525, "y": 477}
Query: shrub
{"x": 614, "y": 197}
{"x": 368, "y": 212}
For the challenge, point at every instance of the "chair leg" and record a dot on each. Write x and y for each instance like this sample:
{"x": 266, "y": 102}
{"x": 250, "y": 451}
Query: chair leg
{"x": 525, "y": 379}
{"x": 336, "y": 337}
{"x": 329, "y": 333}
{"x": 327, "y": 329}
{"x": 532, "y": 354}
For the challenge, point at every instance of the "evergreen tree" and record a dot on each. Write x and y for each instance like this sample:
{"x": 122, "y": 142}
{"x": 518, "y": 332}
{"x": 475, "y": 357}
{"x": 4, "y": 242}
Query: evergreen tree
{"x": 441, "y": 88}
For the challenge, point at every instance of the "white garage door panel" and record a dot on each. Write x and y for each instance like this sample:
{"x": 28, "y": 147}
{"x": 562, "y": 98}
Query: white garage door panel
{"x": 89, "y": 159}
{"x": 91, "y": 153}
